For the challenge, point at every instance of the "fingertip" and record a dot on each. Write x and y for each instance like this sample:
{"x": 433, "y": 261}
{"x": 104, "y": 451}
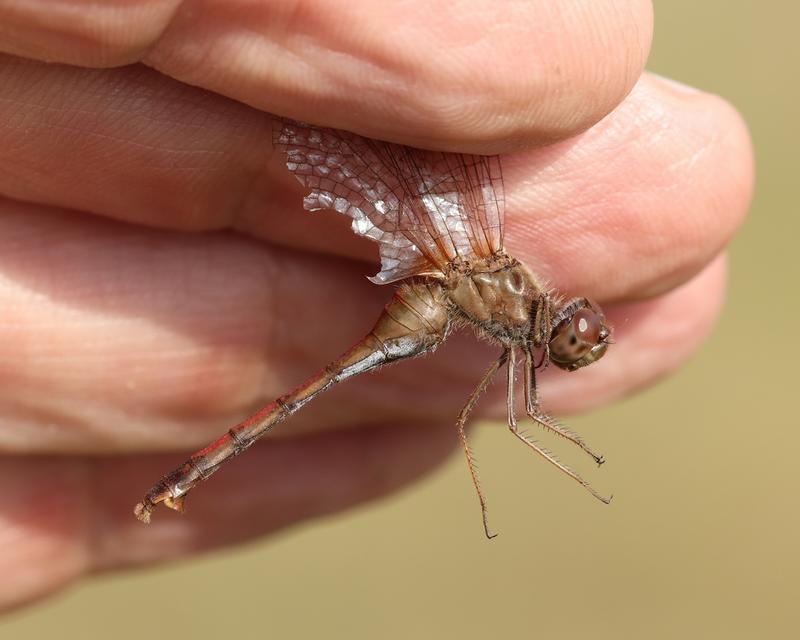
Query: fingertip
{"x": 537, "y": 73}
{"x": 638, "y": 204}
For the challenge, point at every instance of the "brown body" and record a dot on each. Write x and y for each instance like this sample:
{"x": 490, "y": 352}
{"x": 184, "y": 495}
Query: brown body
{"x": 438, "y": 219}
{"x": 499, "y": 296}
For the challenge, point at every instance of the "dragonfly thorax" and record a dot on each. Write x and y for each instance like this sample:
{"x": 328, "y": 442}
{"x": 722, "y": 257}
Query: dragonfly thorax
{"x": 498, "y": 296}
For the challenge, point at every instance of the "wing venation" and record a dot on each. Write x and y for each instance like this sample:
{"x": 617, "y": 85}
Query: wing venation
{"x": 424, "y": 208}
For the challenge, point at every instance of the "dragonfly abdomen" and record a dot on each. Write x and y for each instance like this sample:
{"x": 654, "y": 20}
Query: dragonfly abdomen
{"x": 415, "y": 321}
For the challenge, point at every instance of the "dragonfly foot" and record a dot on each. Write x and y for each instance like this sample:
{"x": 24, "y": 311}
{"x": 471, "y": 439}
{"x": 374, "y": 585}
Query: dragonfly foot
{"x": 600, "y": 460}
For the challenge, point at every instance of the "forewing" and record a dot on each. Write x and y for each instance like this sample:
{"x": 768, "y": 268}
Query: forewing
{"x": 425, "y": 209}
{"x": 456, "y": 199}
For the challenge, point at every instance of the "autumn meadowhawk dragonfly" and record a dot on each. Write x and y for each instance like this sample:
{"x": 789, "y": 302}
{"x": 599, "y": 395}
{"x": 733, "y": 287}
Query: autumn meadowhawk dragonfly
{"x": 438, "y": 220}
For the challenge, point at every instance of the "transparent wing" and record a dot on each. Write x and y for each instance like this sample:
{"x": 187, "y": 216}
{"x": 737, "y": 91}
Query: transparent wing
{"x": 425, "y": 209}
{"x": 455, "y": 200}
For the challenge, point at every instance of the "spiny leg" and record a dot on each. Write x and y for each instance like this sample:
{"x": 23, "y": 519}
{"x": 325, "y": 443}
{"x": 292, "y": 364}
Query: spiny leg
{"x": 512, "y": 424}
{"x": 512, "y": 363}
{"x": 543, "y": 324}
{"x": 461, "y": 421}
{"x": 536, "y": 414}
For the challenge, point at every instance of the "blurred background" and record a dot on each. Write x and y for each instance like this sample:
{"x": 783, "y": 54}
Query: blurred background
{"x": 703, "y": 540}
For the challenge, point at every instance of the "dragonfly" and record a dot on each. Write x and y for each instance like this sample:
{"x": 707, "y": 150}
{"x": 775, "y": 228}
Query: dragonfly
{"x": 438, "y": 219}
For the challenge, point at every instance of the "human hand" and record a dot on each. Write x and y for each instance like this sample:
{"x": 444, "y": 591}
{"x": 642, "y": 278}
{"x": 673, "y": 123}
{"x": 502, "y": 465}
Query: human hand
{"x": 125, "y": 335}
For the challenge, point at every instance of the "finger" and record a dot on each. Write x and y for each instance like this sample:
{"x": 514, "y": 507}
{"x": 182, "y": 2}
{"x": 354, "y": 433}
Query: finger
{"x": 661, "y": 184}
{"x": 61, "y": 518}
{"x": 638, "y": 204}
{"x": 476, "y": 75}
{"x": 119, "y": 338}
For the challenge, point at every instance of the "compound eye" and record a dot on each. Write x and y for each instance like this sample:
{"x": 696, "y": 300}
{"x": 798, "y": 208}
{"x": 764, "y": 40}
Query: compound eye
{"x": 587, "y": 326}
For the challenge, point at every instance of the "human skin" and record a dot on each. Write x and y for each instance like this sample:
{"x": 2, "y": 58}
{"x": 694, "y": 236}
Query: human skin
{"x": 127, "y": 335}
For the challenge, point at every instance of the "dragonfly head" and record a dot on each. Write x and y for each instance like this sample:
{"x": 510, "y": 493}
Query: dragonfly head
{"x": 579, "y": 335}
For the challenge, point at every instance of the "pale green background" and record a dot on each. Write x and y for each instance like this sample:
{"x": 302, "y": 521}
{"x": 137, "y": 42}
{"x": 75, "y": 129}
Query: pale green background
{"x": 703, "y": 538}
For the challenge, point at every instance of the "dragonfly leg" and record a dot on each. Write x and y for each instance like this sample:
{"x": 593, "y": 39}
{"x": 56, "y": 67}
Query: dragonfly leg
{"x": 545, "y": 420}
{"x": 542, "y": 322}
{"x": 460, "y": 424}
{"x": 414, "y": 322}
{"x": 512, "y": 424}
